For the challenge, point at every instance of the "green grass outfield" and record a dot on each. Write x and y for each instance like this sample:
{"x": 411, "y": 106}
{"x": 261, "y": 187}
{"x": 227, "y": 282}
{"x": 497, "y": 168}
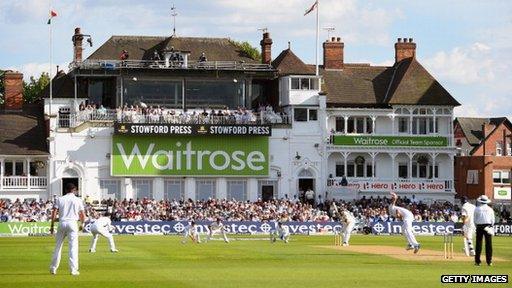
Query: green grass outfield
{"x": 162, "y": 261}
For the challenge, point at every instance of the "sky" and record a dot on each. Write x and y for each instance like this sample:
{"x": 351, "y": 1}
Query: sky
{"x": 465, "y": 44}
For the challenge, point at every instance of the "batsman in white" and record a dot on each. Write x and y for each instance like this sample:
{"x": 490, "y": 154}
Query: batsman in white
{"x": 71, "y": 209}
{"x": 348, "y": 221}
{"x": 217, "y": 227}
{"x": 282, "y": 232}
{"x": 407, "y": 218}
{"x": 467, "y": 212}
{"x": 102, "y": 226}
{"x": 192, "y": 233}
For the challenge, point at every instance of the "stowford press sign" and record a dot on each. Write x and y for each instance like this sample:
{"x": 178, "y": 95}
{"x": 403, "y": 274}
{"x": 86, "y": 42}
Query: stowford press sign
{"x": 189, "y": 156}
{"x": 191, "y": 129}
{"x": 390, "y": 141}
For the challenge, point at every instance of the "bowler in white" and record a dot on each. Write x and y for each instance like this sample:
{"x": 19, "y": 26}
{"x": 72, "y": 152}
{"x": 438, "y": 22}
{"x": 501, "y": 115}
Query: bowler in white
{"x": 102, "y": 226}
{"x": 407, "y": 218}
{"x": 70, "y": 209}
{"x": 348, "y": 221}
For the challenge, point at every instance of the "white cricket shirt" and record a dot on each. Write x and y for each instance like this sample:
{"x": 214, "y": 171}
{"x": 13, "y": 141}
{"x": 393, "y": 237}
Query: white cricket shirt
{"x": 406, "y": 214}
{"x": 69, "y": 206}
{"x": 484, "y": 215}
{"x": 468, "y": 210}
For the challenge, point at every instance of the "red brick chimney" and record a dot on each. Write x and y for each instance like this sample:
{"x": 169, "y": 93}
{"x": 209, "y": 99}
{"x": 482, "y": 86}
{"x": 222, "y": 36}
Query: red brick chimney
{"x": 266, "y": 48}
{"x": 404, "y": 49}
{"x": 77, "y": 39}
{"x": 13, "y": 85}
{"x": 333, "y": 53}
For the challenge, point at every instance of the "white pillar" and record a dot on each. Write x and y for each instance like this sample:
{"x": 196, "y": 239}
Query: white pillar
{"x": 221, "y": 189}
{"x": 373, "y": 124}
{"x": 190, "y": 188}
{"x": 128, "y": 188}
{"x": 158, "y": 188}
{"x": 2, "y": 161}
{"x": 373, "y": 154}
{"x": 393, "y": 132}
{"x": 409, "y": 168}
{"x": 345, "y": 156}
{"x": 393, "y": 169}
{"x": 27, "y": 163}
{"x": 252, "y": 189}
{"x": 346, "y": 124}
{"x": 434, "y": 156}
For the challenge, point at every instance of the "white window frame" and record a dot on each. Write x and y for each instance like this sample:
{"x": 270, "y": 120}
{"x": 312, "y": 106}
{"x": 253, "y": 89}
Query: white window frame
{"x": 211, "y": 182}
{"x": 231, "y": 194}
{"x": 179, "y": 182}
{"x": 501, "y": 177}
{"x": 143, "y": 181}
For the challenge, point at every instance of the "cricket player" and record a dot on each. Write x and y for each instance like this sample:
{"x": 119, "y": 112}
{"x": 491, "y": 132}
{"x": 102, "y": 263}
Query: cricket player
{"x": 102, "y": 226}
{"x": 407, "y": 218}
{"x": 217, "y": 227}
{"x": 191, "y": 232}
{"x": 468, "y": 227}
{"x": 70, "y": 209}
{"x": 348, "y": 221}
{"x": 282, "y": 232}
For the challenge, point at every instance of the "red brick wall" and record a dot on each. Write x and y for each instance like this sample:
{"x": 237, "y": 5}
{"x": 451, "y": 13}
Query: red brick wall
{"x": 13, "y": 84}
{"x": 404, "y": 49}
{"x": 266, "y": 48}
{"x": 333, "y": 53}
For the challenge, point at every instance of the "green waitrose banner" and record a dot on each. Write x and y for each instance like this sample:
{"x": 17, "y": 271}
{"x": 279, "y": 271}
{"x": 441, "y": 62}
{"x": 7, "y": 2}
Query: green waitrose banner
{"x": 189, "y": 156}
{"x": 391, "y": 141}
{"x": 25, "y": 228}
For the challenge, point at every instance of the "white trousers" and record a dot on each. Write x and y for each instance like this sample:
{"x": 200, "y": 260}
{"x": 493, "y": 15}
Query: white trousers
{"x": 221, "y": 231}
{"x": 347, "y": 231}
{"x": 285, "y": 236}
{"x": 408, "y": 233}
{"x": 103, "y": 232}
{"x": 69, "y": 229}
{"x": 192, "y": 235}
{"x": 469, "y": 231}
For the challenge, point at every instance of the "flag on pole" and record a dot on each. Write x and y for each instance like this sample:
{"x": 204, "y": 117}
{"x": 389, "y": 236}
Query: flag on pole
{"x": 52, "y": 14}
{"x": 313, "y": 7}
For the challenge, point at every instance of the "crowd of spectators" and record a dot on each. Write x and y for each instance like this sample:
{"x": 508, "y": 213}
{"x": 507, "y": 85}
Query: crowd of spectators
{"x": 366, "y": 210}
{"x": 143, "y": 113}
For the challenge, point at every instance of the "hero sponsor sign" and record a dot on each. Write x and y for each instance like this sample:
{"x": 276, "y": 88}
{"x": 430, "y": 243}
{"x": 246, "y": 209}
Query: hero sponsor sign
{"x": 425, "y": 228}
{"x": 387, "y": 186}
{"x": 189, "y": 156}
{"x": 191, "y": 129}
{"x": 502, "y": 193}
{"x": 390, "y": 141}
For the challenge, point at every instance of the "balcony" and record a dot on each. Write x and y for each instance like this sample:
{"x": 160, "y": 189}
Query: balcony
{"x": 23, "y": 183}
{"x": 169, "y": 65}
{"x": 107, "y": 117}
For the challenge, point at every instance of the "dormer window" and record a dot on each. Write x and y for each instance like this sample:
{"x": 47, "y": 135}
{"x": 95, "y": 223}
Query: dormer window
{"x": 304, "y": 83}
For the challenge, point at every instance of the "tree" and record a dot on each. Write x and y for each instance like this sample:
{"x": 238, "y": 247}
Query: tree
{"x": 246, "y": 48}
{"x": 33, "y": 89}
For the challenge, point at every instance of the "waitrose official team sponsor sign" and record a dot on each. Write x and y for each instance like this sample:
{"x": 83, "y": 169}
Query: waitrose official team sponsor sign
{"x": 189, "y": 156}
{"x": 391, "y": 141}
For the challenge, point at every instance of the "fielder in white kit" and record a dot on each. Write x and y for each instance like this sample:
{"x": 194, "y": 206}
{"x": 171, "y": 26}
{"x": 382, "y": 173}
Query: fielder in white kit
{"x": 407, "y": 219}
{"x": 349, "y": 221}
{"x": 102, "y": 226}
{"x": 282, "y": 232}
{"x": 467, "y": 212}
{"x": 217, "y": 227}
{"x": 191, "y": 232}
{"x": 71, "y": 209}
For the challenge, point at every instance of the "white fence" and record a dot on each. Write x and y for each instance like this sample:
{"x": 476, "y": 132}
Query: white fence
{"x": 23, "y": 182}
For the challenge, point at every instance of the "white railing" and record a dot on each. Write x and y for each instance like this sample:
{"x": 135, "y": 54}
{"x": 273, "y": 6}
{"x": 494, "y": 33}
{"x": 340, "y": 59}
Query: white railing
{"x": 161, "y": 64}
{"x": 23, "y": 182}
{"x": 72, "y": 120}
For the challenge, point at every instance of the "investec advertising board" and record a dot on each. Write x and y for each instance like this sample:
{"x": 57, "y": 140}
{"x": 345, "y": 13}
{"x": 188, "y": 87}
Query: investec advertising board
{"x": 177, "y": 155}
{"x": 391, "y": 141}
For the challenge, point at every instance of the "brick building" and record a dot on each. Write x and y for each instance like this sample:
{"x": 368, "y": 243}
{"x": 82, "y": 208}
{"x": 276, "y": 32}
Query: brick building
{"x": 484, "y": 160}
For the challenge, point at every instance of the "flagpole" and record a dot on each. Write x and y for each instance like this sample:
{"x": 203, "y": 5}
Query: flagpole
{"x": 317, "y": 34}
{"x": 50, "y": 56}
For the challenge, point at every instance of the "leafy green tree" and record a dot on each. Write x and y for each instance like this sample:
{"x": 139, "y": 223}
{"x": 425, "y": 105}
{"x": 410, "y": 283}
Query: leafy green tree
{"x": 33, "y": 89}
{"x": 248, "y": 49}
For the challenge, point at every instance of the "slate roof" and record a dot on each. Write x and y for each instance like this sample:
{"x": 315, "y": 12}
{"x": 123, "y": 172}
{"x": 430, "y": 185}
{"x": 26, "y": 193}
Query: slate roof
{"x": 23, "y": 133}
{"x": 143, "y": 47}
{"x": 472, "y": 127}
{"x": 287, "y": 63}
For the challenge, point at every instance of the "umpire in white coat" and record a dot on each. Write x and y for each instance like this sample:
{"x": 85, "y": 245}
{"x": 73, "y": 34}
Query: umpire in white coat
{"x": 484, "y": 221}
{"x": 70, "y": 209}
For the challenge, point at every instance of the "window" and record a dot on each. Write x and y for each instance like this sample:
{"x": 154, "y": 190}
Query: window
{"x": 360, "y": 125}
{"x": 153, "y": 92}
{"x": 174, "y": 190}
{"x": 509, "y": 149}
{"x": 313, "y": 115}
{"x": 403, "y": 125}
{"x": 205, "y": 189}
{"x": 369, "y": 170}
{"x": 501, "y": 177}
{"x": 402, "y": 170}
{"x": 499, "y": 148}
{"x": 142, "y": 188}
{"x": 110, "y": 189}
{"x": 304, "y": 84}
{"x": 219, "y": 93}
{"x": 340, "y": 170}
{"x": 18, "y": 169}
{"x": 300, "y": 114}
{"x": 350, "y": 170}
{"x": 237, "y": 190}
{"x": 340, "y": 124}
{"x": 431, "y": 125}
